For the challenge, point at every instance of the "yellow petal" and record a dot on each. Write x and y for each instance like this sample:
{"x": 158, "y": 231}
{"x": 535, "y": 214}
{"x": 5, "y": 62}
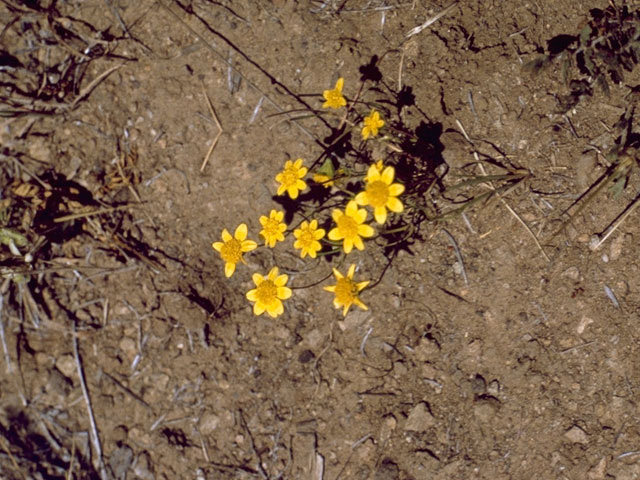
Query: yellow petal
{"x": 273, "y": 273}
{"x": 263, "y": 220}
{"x": 281, "y": 190}
{"x": 281, "y": 280}
{"x": 381, "y": 214}
{"x": 337, "y": 274}
{"x": 396, "y": 189}
{"x": 217, "y": 246}
{"x": 226, "y": 236}
{"x": 362, "y": 199}
{"x": 241, "y": 232}
{"x": 277, "y": 215}
{"x": 395, "y": 205}
{"x": 293, "y": 192}
{"x": 373, "y": 173}
{"x": 335, "y": 234}
{"x": 275, "y": 309}
{"x": 229, "y": 268}
{"x": 387, "y": 175}
{"x": 248, "y": 245}
{"x": 302, "y": 172}
{"x": 330, "y": 288}
{"x": 251, "y": 295}
{"x": 297, "y": 164}
{"x": 360, "y": 215}
{"x": 366, "y": 231}
{"x": 258, "y": 308}
{"x": 312, "y": 251}
{"x": 348, "y": 245}
{"x": 314, "y": 224}
{"x": 359, "y": 303}
{"x": 340, "y": 84}
{"x": 361, "y": 285}
{"x": 257, "y": 279}
{"x": 351, "y": 271}
{"x": 336, "y": 215}
{"x": 352, "y": 208}
{"x": 318, "y": 234}
{"x": 301, "y": 184}
{"x": 345, "y": 310}
{"x": 358, "y": 243}
{"x": 284, "y": 292}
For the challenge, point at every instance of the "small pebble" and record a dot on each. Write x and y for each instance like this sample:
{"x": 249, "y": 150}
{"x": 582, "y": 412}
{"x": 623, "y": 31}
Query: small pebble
{"x": 420, "y": 419}
{"x": 576, "y": 435}
{"x": 67, "y": 365}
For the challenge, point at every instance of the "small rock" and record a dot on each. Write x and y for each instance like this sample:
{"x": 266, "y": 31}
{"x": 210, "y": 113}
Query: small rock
{"x": 142, "y": 466}
{"x": 388, "y": 426}
{"x": 576, "y": 435}
{"x": 583, "y": 324}
{"x": 616, "y": 247}
{"x": 493, "y": 388}
{"x": 485, "y": 409}
{"x": 420, "y": 419}
{"x": 208, "y": 423}
{"x": 128, "y": 347}
{"x": 67, "y": 365}
{"x": 120, "y": 460}
{"x": 478, "y": 384}
{"x": 572, "y": 272}
{"x": 597, "y": 472}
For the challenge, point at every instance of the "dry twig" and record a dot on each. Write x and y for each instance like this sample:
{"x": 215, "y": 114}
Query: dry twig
{"x": 217, "y": 137}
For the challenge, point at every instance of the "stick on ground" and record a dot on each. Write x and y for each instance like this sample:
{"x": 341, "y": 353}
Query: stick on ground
{"x": 217, "y": 137}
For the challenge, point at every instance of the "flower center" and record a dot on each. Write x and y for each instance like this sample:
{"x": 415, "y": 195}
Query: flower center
{"x": 347, "y": 226}
{"x": 271, "y": 228}
{"x": 334, "y": 96}
{"x": 346, "y": 291}
{"x": 307, "y": 237}
{"x": 290, "y": 176}
{"x": 231, "y": 251}
{"x": 266, "y": 292}
{"x": 377, "y": 193}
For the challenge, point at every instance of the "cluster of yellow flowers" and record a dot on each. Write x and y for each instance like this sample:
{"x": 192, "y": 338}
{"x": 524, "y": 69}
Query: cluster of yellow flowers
{"x": 380, "y": 193}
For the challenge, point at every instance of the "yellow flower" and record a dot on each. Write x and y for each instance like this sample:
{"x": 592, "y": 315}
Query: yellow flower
{"x": 350, "y": 227}
{"x": 269, "y": 293}
{"x": 273, "y": 228}
{"x": 232, "y": 248}
{"x": 372, "y": 124}
{"x": 347, "y": 290}
{"x": 307, "y": 238}
{"x": 334, "y": 98}
{"x": 324, "y": 180}
{"x": 290, "y": 178}
{"x": 381, "y": 193}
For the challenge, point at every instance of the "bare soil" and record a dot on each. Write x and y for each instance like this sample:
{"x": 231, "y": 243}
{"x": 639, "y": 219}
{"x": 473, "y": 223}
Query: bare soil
{"x": 517, "y": 363}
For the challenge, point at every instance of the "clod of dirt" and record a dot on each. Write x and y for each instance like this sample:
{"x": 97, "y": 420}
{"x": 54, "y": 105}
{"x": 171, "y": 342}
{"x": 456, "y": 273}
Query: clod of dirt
{"x": 577, "y": 435}
{"x": 420, "y": 419}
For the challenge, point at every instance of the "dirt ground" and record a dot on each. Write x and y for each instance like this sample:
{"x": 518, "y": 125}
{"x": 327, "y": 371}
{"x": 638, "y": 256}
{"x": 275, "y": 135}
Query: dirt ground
{"x": 482, "y": 354}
